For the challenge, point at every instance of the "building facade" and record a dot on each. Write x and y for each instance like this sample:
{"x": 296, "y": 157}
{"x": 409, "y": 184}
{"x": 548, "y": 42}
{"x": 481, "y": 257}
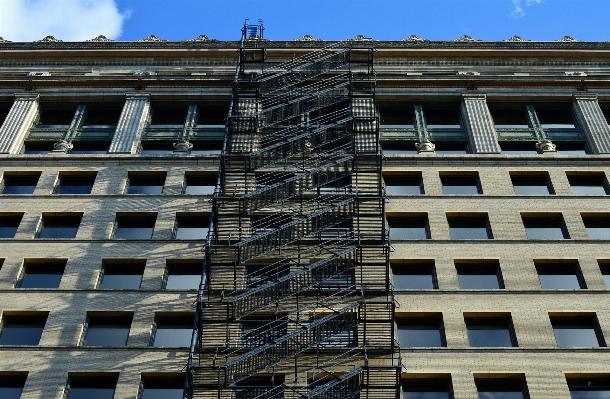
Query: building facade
{"x": 386, "y": 219}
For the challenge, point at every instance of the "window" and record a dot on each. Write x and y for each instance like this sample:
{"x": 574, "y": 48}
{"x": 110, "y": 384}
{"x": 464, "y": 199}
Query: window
{"x": 257, "y": 274}
{"x": 589, "y": 388}
{"x": 145, "y": 183}
{"x": 479, "y": 275}
{"x": 9, "y": 223}
{"x": 191, "y": 226}
{"x": 11, "y": 385}
{"x": 173, "y": 331}
{"x": 263, "y": 387}
{"x": 59, "y": 225}
{"x": 421, "y": 332}
{"x": 94, "y": 387}
{"x": 604, "y": 267}
{"x": 560, "y": 276}
{"x": 22, "y": 329}
{"x": 75, "y": 183}
{"x": 156, "y": 147}
{"x": 21, "y": 183}
{"x": 597, "y": 225}
{"x": 475, "y": 227}
{"x": 451, "y": 147}
{"x": 588, "y": 184}
{"x": 409, "y": 227}
{"x": 121, "y": 275}
{"x": 577, "y": 332}
{"x": 502, "y": 388}
{"x": 545, "y": 227}
{"x": 490, "y": 332}
{"x": 411, "y": 184}
{"x": 90, "y": 147}
{"x": 518, "y": 147}
{"x": 414, "y": 276}
{"x": 199, "y": 184}
{"x": 391, "y": 147}
{"x": 161, "y": 387}
{"x": 38, "y": 147}
{"x": 531, "y": 184}
{"x": 466, "y": 183}
{"x": 442, "y": 116}
{"x": 107, "y": 330}
{"x": 183, "y": 275}
{"x": 427, "y": 388}
{"x": 508, "y": 117}
{"x": 555, "y": 116}
{"x": 41, "y": 273}
{"x": 254, "y": 333}
{"x": 135, "y": 226}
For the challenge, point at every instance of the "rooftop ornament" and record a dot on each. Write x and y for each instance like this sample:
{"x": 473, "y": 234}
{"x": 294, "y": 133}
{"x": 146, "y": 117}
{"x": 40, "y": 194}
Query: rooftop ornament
{"x": 3, "y": 40}
{"x": 568, "y": 39}
{"x": 414, "y": 38}
{"x": 100, "y": 38}
{"x": 201, "y": 38}
{"x": 152, "y": 38}
{"x": 362, "y": 38}
{"x": 48, "y": 39}
{"x": 517, "y": 39}
{"x": 307, "y": 38}
{"x": 467, "y": 38}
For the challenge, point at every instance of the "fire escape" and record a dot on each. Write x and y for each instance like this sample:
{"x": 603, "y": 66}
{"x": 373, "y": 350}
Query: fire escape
{"x": 295, "y": 301}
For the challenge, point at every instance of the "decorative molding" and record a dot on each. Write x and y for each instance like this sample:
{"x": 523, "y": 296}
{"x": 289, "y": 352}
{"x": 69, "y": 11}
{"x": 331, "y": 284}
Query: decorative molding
{"x": 517, "y": 39}
{"x": 3, "y": 40}
{"x": 546, "y": 146}
{"x": 21, "y": 117}
{"x": 362, "y": 38}
{"x": 425, "y": 146}
{"x": 467, "y": 38}
{"x": 479, "y": 124}
{"x": 468, "y": 73}
{"x": 592, "y": 121}
{"x": 134, "y": 118}
{"x": 100, "y": 38}
{"x": 568, "y": 39}
{"x": 39, "y": 73}
{"x": 201, "y": 38}
{"x": 48, "y": 39}
{"x": 152, "y": 38}
{"x": 415, "y": 39}
{"x": 144, "y": 73}
{"x": 182, "y": 146}
{"x": 575, "y": 73}
{"x": 307, "y": 38}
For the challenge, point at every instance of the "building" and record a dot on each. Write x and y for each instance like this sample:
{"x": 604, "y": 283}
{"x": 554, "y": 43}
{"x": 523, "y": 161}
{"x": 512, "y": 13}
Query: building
{"x": 390, "y": 219}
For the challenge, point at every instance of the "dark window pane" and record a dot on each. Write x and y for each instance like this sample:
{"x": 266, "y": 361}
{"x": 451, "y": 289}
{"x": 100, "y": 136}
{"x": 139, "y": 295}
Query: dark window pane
{"x": 192, "y": 227}
{"x": 474, "y": 228}
{"x": 106, "y": 335}
{"x": 451, "y": 148}
{"x": 588, "y": 184}
{"x": 200, "y": 184}
{"x": 545, "y": 228}
{"x": 122, "y": 276}
{"x": 20, "y": 184}
{"x": 59, "y": 226}
{"x": 173, "y": 331}
{"x": 426, "y": 388}
{"x": 92, "y": 388}
{"x": 146, "y": 184}
{"x": 415, "y": 228}
{"x": 425, "y": 395}
{"x": 135, "y": 227}
{"x": 11, "y": 386}
{"x": 74, "y": 184}
{"x": 479, "y": 277}
{"x": 598, "y": 228}
{"x": 489, "y": 334}
{"x": 9, "y": 226}
{"x": 91, "y": 393}
{"x": 577, "y": 332}
{"x": 42, "y": 275}
{"x": 421, "y": 279}
{"x": 559, "y": 281}
{"x": 531, "y": 184}
{"x": 465, "y": 184}
{"x": 10, "y": 392}
{"x": 163, "y": 393}
{"x": 425, "y": 333}
{"x": 22, "y": 330}
{"x": 403, "y": 185}
{"x": 589, "y": 388}
{"x": 183, "y": 276}
{"x": 90, "y": 147}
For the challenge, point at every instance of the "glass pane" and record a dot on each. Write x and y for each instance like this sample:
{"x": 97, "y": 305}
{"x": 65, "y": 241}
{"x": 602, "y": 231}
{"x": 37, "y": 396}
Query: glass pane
{"x": 91, "y": 393}
{"x": 58, "y": 232}
{"x": 183, "y": 281}
{"x": 21, "y": 335}
{"x": 588, "y": 190}
{"x": 192, "y": 233}
{"x": 403, "y": 190}
{"x": 173, "y": 336}
{"x": 134, "y": 233}
{"x": 413, "y": 281}
{"x": 162, "y": 393}
{"x": 607, "y": 280}
{"x": 559, "y": 281}
{"x": 408, "y": 233}
{"x": 489, "y": 336}
{"x": 544, "y": 233}
{"x": 145, "y": 189}
{"x": 68, "y": 189}
{"x": 200, "y": 190}
{"x": 107, "y": 335}
{"x": 598, "y": 233}
{"x": 425, "y": 395}
{"x": 18, "y": 189}
{"x": 478, "y": 281}
{"x": 605, "y": 394}
{"x": 570, "y": 337}
{"x": 40, "y": 280}
{"x": 531, "y": 190}
{"x": 8, "y": 231}
{"x": 419, "y": 336}
{"x": 500, "y": 395}
{"x": 10, "y": 392}
{"x": 460, "y": 190}
{"x": 468, "y": 233}
{"x": 121, "y": 281}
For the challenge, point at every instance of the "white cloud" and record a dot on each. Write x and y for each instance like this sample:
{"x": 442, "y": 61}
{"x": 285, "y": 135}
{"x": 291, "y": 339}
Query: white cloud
{"x": 518, "y": 11}
{"x": 68, "y": 20}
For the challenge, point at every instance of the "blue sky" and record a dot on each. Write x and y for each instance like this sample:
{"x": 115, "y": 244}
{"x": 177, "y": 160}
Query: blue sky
{"x": 75, "y": 20}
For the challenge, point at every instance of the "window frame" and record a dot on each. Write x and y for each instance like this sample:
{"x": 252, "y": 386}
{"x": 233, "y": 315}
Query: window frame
{"x": 134, "y": 216}
{"x": 409, "y": 219}
{"x": 36, "y": 319}
{"x": 538, "y": 219}
{"x": 546, "y": 268}
{"x": 496, "y": 383}
{"x": 121, "y": 265}
{"x": 470, "y": 219}
{"x": 183, "y": 264}
{"x": 13, "y": 379}
{"x": 144, "y": 176}
{"x": 516, "y": 176}
{"x": 416, "y": 266}
{"x": 459, "y": 177}
{"x": 101, "y": 380}
{"x": 584, "y": 320}
{"x": 62, "y": 176}
{"x": 7, "y": 217}
{"x": 102, "y": 319}
{"x": 436, "y": 320}
{"x": 580, "y": 176}
{"x": 19, "y": 176}
{"x": 493, "y": 320}
{"x": 477, "y": 265}
{"x": 56, "y": 264}
{"x": 420, "y": 385}
{"x": 56, "y": 217}
{"x": 190, "y": 217}
{"x": 173, "y": 319}
{"x": 412, "y": 176}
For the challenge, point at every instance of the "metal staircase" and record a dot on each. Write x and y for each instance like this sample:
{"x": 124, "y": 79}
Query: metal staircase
{"x": 297, "y": 256}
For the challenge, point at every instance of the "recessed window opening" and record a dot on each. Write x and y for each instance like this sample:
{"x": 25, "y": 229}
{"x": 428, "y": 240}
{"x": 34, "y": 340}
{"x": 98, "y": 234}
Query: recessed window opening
{"x": 161, "y": 387}
{"x": 11, "y": 385}
{"x": 571, "y": 147}
{"x": 146, "y": 183}
{"x": 427, "y": 388}
{"x": 118, "y": 275}
{"x": 398, "y": 147}
{"x": 411, "y": 184}
{"x": 90, "y": 147}
{"x": 409, "y": 227}
{"x": 38, "y": 147}
{"x": 93, "y": 387}
{"x": 56, "y": 117}
{"x": 41, "y": 274}
{"x": 560, "y": 276}
{"x": 414, "y": 276}
{"x": 518, "y": 147}
{"x": 75, "y": 183}
{"x": 5, "y": 108}
{"x": 59, "y": 226}
{"x": 22, "y": 329}
{"x": 479, "y": 275}
{"x": 577, "y": 332}
{"x": 183, "y": 275}
{"x": 396, "y": 113}
{"x": 491, "y": 332}
{"x": 173, "y": 331}
{"x": 20, "y": 183}
{"x": 199, "y": 184}
{"x": 414, "y": 332}
{"x": 604, "y": 267}
{"x": 589, "y": 388}
{"x": 606, "y": 111}
{"x": 532, "y": 184}
{"x": 107, "y": 330}
{"x": 191, "y": 226}
{"x": 545, "y": 228}
{"x": 502, "y": 388}
{"x": 509, "y": 118}
{"x": 598, "y": 226}
{"x": 135, "y": 226}
{"x": 9, "y": 223}
{"x": 103, "y": 117}
{"x": 168, "y": 115}
{"x": 469, "y": 227}
{"x": 591, "y": 184}
{"x": 155, "y": 147}
{"x": 442, "y": 117}
{"x": 467, "y": 183}
{"x": 451, "y": 147}
{"x": 554, "y": 117}
{"x": 206, "y": 147}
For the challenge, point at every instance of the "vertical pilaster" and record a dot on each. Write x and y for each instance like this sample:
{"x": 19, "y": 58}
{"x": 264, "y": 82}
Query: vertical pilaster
{"x": 18, "y": 122}
{"x": 592, "y": 121}
{"x": 479, "y": 124}
{"x": 133, "y": 120}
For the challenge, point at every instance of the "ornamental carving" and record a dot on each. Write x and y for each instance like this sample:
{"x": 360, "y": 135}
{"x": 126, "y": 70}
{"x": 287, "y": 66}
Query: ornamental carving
{"x": 152, "y": 38}
{"x": 546, "y": 146}
{"x": 201, "y": 38}
{"x": 3, "y": 40}
{"x": 48, "y": 39}
{"x": 62, "y": 146}
{"x": 414, "y": 38}
{"x": 517, "y": 39}
{"x": 425, "y": 146}
{"x": 100, "y": 38}
{"x": 144, "y": 73}
{"x": 568, "y": 39}
{"x": 39, "y": 73}
{"x": 307, "y": 38}
{"x": 467, "y": 38}
{"x": 468, "y": 73}
{"x": 575, "y": 73}
{"x": 182, "y": 146}
{"x": 362, "y": 38}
